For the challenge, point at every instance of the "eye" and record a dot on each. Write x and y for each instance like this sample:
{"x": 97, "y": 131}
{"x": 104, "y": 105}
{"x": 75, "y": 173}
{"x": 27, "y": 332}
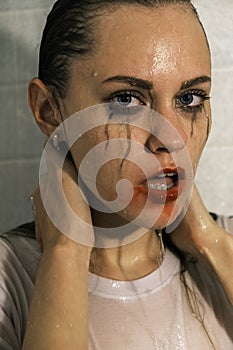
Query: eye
{"x": 125, "y": 103}
{"x": 192, "y": 100}
{"x": 127, "y": 99}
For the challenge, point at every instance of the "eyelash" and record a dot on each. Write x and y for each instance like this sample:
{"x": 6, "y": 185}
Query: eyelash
{"x": 127, "y": 93}
{"x": 189, "y": 109}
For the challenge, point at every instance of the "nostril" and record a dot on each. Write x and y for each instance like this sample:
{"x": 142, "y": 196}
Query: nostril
{"x": 156, "y": 150}
{"x": 153, "y": 145}
{"x": 162, "y": 149}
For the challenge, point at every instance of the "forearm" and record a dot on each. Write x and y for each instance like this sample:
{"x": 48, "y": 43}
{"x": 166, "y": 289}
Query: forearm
{"x": 199, "y": 235}
{"x": 58, "y": 317}
{"x": 218, "y": 252}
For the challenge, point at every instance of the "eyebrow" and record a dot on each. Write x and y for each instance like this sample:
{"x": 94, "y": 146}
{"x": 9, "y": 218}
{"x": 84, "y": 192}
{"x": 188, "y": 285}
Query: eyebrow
{"x": 148, "y": 85}
{"x": 133, "y": 81}
{"x": 199, "y": 80}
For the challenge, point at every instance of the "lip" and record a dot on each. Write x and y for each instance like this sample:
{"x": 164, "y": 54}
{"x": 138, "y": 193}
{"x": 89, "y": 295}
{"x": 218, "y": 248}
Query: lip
{"x": 163, "y": 196}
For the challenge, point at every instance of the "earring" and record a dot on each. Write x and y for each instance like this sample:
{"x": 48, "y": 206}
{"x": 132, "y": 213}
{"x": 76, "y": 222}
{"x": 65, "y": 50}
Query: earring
{"x": 31, "y": 198}
{"x": 55, "y": 142}
{"x": 162, "y": 249}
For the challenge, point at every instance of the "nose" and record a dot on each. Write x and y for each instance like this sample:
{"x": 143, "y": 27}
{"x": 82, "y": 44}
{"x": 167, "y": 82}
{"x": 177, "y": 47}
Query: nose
{"x": 167, "y": 134}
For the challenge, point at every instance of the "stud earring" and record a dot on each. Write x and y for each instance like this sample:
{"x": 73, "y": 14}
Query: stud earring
{"x": 55, "y": 142}
{"x": 162, "y": 249}
{"x": 31, "y": 198}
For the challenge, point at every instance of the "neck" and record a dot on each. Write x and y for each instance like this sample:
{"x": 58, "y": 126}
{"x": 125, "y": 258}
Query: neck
{"x": 128, "y": 262}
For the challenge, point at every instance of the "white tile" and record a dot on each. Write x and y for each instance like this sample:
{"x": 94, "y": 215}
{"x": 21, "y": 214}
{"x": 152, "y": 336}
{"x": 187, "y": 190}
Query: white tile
{"x": 8, "y": 123}
{"x": 9, "y": 5}
{"x": 7, "y": 47}
{"x": 217, "y": 17}
{"x": 18, "y": 179}
{"x": 30, "y": 137}
{"x": 20, "y": 136}
{"x": 20, "y": 35}
{"x": 222, "y": 109}
{"x": 28, "y": 31}
{"x": 215, "y": 179}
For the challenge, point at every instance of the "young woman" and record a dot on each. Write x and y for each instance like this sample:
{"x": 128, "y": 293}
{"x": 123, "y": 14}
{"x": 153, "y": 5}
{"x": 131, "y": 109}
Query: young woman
{"x": 149, "y": 63}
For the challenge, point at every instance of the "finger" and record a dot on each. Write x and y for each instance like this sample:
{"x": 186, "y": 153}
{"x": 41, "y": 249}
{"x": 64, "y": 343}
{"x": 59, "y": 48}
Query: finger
{"x": 62, "y": 198}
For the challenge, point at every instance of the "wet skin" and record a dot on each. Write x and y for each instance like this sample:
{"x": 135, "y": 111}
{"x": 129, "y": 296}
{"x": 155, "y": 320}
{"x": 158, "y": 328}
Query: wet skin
{"x": 166, "y": 51}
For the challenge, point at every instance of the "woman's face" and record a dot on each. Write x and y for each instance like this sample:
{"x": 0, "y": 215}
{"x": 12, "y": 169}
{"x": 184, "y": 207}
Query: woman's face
{"x": 157, "y": 58}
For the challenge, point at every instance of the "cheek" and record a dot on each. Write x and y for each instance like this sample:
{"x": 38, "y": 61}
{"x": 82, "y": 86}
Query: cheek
{"x": 106, "y": 180}
{"x": 85, "y": 144}
{"x": 197, "y": 141}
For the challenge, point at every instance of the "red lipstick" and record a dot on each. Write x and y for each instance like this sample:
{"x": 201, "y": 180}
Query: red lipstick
{"x": 163, "y": 186}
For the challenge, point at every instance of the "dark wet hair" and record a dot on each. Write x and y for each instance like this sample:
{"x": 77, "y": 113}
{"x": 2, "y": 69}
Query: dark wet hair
{"x": 69, "y": 33}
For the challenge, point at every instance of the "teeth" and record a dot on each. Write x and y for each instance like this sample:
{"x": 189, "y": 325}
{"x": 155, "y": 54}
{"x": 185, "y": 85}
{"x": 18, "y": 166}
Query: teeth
{"x": 171, "y": 174}
{"x": 161, "y": 176}
{"x": 162, "y": 187}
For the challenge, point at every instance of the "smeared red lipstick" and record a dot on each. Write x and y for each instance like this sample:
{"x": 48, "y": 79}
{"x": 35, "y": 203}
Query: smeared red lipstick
{"x": 163, "y": 186}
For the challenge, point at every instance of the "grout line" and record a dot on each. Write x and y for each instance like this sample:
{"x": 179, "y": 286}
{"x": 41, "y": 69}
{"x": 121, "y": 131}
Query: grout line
{"x": 19, "y": 161}
{"x": 15, "y": 84}
{"x": 32, "y": 9}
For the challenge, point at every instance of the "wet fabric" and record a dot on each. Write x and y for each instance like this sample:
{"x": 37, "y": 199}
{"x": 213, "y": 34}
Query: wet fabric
{"x": 150, "y": 313}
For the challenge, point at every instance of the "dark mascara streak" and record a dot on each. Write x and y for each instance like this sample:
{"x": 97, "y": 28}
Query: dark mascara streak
{"x": 106, "y": 129}
{"x": 208, "y": 124}
{"x": 194, "y": 117}
{"x": 128, "y": 149}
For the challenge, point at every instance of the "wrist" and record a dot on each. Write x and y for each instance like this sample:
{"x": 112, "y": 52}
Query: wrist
{"x": 215, "y": 245}
{"x": 67, "y": 250}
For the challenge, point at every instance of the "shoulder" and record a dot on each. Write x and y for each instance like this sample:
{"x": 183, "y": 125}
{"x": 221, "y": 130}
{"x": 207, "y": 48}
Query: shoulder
{"x": 19, "y": 248}
{"x": 19, "y": 257}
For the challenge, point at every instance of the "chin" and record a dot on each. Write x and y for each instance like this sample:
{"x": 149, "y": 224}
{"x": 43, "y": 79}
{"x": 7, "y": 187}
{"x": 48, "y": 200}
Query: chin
{"x": 154, "y": 216}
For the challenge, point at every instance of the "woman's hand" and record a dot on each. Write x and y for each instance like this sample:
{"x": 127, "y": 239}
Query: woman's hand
{"x": 191, "y": 234}
{"x": 58, "y": 316}
{"x": 199, "y": 235}
{"x": 66, "y": 204}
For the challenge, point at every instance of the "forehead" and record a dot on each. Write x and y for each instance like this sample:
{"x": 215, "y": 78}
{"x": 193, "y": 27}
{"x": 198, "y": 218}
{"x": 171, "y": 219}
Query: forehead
{"x": 154, "y": 39}
{"x": 166, "y": 46}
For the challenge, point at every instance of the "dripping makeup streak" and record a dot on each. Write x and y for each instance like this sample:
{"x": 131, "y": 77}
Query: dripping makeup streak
{"x": 148, "y": 85}
{"x": 208, "y": 123}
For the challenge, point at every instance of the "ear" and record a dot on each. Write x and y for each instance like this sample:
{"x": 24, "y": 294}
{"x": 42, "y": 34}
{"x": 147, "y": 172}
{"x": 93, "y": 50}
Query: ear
{"x": 43, "y": 107}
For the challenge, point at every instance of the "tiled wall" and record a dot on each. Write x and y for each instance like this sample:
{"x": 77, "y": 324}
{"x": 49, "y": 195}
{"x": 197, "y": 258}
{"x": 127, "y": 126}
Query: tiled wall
{"x": 21, "y": 22}
{"x": 215, "y": 176}
{"x": 20, "y": 140}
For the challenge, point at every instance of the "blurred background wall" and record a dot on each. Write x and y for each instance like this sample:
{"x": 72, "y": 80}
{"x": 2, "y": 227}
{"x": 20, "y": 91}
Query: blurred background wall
{"x": 21, "y": 23}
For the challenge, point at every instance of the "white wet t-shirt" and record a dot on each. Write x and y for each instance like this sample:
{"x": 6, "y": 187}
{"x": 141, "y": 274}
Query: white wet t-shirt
{"x": 150, "y": 313}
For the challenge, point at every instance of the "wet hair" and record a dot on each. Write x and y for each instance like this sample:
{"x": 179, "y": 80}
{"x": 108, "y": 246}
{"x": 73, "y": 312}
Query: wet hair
{"x": 70, "y": 33}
